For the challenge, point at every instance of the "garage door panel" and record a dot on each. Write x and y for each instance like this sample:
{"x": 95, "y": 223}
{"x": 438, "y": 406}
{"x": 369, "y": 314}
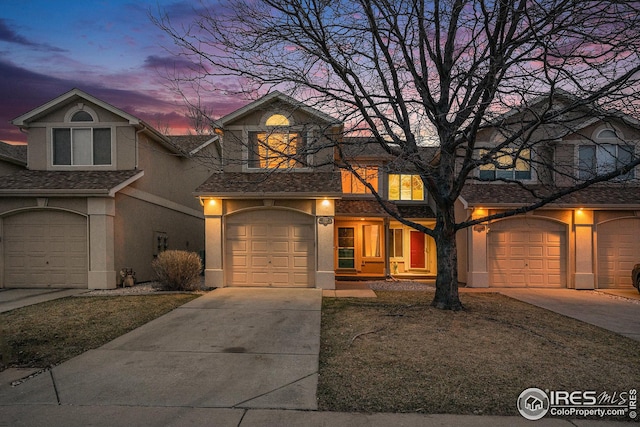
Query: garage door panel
{"x": 236, "y": 231}
{"x": 280, "y": 262}
{"x": 535, "y": 237}
{"x": 618, "y": 250}
{"x": 527, "y": 253}
{"x": 277, "y": 231}
{"x": 301, "y": 262}
{"x": 259, "y": 246}
{"x": 280, "y": 247}
{"x": 536, "y": 251}
{"x": 517, "y": 250}
{"x": 258, "y": 261}
{"x": 261, "y": 230}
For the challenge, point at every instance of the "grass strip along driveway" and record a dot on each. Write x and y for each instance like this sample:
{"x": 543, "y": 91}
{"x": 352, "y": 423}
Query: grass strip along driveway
{"x": 46, "y": 334}
{"x": 396, "y": 353}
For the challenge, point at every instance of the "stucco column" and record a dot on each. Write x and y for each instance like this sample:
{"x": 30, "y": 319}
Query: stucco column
{"x": 478, "y": 276}
{"x": 102, "y": 273}
{"x": 325, "y": 221}
{"x": 213, "y": 272}
{"x": 584, "y": 277}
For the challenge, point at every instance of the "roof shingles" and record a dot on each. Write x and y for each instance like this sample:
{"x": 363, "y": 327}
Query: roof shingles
{"x": 31, "y": 181}
{"x": 515, "y": 195}
{"x": 276, "y": 182}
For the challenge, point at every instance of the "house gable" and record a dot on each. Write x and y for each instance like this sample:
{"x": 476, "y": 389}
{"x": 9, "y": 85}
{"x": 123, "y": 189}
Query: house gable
{"x": 277, "y": 132}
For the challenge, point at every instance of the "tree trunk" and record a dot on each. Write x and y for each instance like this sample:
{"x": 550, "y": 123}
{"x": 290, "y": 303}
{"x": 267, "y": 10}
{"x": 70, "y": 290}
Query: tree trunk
{"x": 446, "y": 297}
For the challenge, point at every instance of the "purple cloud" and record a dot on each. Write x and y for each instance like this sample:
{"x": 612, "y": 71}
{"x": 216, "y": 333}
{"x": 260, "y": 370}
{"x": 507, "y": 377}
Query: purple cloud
{"x": 10, "y": 36}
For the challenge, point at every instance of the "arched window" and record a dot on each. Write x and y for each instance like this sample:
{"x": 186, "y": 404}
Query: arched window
{"x": 81, "y": 116}
{"x": 277, "y": 120}
{"x": 607, "y": 134}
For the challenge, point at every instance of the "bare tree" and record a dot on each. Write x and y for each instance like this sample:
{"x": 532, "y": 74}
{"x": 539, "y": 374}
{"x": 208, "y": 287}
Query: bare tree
{"x": 451, "y": 69}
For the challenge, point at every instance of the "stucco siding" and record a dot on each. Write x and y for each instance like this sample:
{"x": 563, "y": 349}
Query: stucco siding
{"x": 138, "y": 222}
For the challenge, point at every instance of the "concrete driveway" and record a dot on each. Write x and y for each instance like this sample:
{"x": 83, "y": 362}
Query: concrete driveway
{"x": 600, "y": 308}
{"x": 231, "y": 348}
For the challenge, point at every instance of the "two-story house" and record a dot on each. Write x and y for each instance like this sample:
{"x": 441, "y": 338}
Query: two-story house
{"x": 100, "y": 190}
{"x": 281, "y": 213}
{"x": 585, "y": 240}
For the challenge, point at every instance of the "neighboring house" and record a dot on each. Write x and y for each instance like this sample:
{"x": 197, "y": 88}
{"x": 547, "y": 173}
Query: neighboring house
{"x": 101, "y": 191}
{"x": 279, "y": 212}
{"x": 12, "y": 158}
{"x": 585, "y": 240}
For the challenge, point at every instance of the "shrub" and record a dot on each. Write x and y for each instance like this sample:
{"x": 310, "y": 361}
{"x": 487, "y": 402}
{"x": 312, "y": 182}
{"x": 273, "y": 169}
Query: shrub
{"x": 178, "y": 270}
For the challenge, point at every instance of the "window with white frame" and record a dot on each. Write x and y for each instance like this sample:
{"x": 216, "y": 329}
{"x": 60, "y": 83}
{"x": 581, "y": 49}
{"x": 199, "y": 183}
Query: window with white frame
{"x": 395, "y": 243}
{"x": 405, "y": 187}
{"x": 509, "y": 163}
{"x": 276, "y": 147}
{"x": 596, "y": 159}
{"x": 351, "y": 184}
{"x": 81, "y": 146}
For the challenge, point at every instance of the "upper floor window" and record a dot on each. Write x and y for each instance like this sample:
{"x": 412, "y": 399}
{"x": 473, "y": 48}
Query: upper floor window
{"x": 276, "y": 148}
{"x": 405, "y": 187}
{"x": 510, "y": 163}
{"x": 81, "y": 116}
{"x": 81, "y": 146}
{"x": 352, "y": 185}
{"x": 603, "y": 158}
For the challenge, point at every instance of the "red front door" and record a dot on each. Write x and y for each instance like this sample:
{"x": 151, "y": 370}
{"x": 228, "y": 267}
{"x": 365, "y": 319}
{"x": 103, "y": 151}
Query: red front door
{"x": 417, "y": 250}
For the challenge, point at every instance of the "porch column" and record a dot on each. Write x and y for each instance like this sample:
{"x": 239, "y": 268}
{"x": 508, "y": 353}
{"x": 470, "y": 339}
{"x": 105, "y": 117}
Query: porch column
{"x": 325, "y": 221}
{"x": 478, "y": 276}
{"x": 584, "y": 277}
{"x": 102, "y": 273}
{"x": 213, "y": 272}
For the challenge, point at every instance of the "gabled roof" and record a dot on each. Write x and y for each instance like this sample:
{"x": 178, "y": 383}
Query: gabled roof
{"x": 58, "y": 183}
{"x": 269, "y": 98}
{"x": 513, "y": 195}
{"x": 275, "y": 184}
{"x": 24, "y": 120}
{"x": 572, "y": 122}
{"x": 16, "y": 154}
{"x": 36, "y": 113}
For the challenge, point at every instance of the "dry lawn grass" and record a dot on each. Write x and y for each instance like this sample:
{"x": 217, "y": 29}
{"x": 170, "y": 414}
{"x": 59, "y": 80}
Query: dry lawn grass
{"x": 397, "y": 354}
{"x": 49, "y": 333}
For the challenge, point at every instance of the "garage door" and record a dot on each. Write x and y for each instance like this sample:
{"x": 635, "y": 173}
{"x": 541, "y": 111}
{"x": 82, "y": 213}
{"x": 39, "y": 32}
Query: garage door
{"x": 270, "y": 248}
{"x": 45, "y": 248}
{"x": 618, "y": 252}
{"x": 527, "y": 253}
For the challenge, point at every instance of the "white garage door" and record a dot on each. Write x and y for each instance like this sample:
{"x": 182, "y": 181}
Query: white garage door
{"x": 618, "y": 252}
{"x": 45, "y": 248}
{"x": 527, "y": 253}
{"x": 270, "y": 248}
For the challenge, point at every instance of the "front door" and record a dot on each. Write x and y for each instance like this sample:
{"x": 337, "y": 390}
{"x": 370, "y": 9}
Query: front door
{"x": 418, "y": 251}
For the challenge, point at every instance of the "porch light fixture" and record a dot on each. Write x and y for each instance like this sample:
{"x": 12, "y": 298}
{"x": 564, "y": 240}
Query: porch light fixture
{"x": 326, "y": 202}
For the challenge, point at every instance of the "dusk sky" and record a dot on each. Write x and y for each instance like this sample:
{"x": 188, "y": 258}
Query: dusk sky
{"x": 108, "y": 48}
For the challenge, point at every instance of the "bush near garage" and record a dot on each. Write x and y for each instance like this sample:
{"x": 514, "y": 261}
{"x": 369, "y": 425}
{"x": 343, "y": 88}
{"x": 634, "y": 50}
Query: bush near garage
{"x": 178, "y": 270}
